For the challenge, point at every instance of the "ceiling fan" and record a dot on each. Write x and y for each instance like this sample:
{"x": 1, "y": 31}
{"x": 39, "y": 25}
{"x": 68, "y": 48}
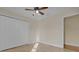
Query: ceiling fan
{"x": 37, "y": 10}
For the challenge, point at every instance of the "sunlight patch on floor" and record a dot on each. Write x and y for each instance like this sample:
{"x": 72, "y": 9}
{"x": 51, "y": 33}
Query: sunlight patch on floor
{"x": 34, "y": 49}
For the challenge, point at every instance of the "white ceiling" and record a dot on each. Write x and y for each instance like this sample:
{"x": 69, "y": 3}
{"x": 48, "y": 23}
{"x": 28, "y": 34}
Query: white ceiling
{"x": 63, "y": 10}
{"x": 23, "y": 12}
{"x": 20, "y": 11}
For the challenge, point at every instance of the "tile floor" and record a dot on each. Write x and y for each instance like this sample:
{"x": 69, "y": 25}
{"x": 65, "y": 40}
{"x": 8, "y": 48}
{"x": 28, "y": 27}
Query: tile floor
{"x": 40, "y": 48}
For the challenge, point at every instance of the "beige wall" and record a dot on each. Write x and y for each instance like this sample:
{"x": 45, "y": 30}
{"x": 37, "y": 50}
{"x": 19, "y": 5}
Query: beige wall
{"x": 51, "y": 31}
{"x": 72, "y": 30}
{"x": 34, "y": 31}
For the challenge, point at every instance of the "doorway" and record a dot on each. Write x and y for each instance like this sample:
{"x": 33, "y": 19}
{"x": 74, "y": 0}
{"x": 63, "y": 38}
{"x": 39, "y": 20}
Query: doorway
{"x": 71, "y": 32}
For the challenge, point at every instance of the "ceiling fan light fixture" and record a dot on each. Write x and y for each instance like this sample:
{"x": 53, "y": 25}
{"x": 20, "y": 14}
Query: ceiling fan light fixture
{"x": 37, "y": 11}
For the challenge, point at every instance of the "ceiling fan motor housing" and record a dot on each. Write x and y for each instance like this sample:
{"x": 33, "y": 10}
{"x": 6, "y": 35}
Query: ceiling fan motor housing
{"x": 36, "y": 8}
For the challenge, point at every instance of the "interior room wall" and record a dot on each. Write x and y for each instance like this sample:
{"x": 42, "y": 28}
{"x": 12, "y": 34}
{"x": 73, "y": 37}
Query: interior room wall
{"x": 35, "y": 31}
{"x": 51, "y": 31}
{"x": 13, "y": 33}
{"x": 72, "y": 30}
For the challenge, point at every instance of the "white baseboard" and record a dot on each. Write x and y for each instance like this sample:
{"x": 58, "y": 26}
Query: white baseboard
{"x": 51, "y": 44}
{"x": 13, "y": 46}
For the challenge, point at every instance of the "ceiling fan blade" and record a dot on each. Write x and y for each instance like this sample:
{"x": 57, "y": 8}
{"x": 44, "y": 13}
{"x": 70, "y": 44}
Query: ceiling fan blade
{"x": 43, "y": 8}
{"x": 41, "y": 13}
{"x": 29, "y": 9}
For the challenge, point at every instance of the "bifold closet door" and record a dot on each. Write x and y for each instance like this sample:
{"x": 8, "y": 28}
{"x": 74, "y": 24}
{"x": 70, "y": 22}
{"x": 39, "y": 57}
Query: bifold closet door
{"x": 13, "y": 32}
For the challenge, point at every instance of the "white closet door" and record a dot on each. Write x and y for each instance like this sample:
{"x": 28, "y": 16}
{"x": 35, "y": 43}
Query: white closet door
{"x": 13, "y": 33}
